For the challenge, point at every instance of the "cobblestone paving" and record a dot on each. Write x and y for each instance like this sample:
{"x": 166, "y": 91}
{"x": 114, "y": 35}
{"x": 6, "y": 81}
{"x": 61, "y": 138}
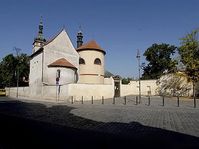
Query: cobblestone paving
{"x": 183, "y": 119}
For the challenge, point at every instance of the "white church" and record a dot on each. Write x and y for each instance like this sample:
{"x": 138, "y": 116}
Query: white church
{"x": 61, "y": 72}
{"x": 58, "y": 69}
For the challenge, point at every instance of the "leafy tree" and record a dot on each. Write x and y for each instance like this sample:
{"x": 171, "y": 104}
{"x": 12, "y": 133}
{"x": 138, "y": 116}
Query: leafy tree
{"x": 189, "y": 52}
{"x": 9, "y": 67}
{"x": 23, "y": 65}
{"x": 108, "y": 74}
{"x": 159, "y": 58}
{"x": 126, "y": 80}
{"x": 7, "y": 73}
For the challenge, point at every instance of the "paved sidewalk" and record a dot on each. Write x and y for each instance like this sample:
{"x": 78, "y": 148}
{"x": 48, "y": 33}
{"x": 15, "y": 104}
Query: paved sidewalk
{"x": 183, "y": 119}
{"x": 168, "y": 125}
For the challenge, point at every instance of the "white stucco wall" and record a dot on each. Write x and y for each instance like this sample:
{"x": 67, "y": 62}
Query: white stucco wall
{"x": 23, "y": 92}
{"x": 51, "y": 92}
{"x": 89, "y": 90}
{"x": 35, "y": 75}
{"x": 60, "y": 47}
{"x": 90, "y": 72}
{"x": 35, "y": 69}
{"x": 109, "y": 81}
{"x": 132, "y": 88}
{"x": 67, "y": 75}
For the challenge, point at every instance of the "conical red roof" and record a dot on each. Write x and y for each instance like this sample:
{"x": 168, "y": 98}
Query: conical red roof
{"x": 91, "y": 45}
{"x": 62, "y": 63}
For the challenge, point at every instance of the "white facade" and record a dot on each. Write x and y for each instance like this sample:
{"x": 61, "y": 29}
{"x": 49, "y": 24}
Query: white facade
{"x": 92, "y": 69}
{"x": 60, "y": 47}
{"x": 148, "y": 87}
{"x": 41, "y": 74}
{"x": 91, "y": 73}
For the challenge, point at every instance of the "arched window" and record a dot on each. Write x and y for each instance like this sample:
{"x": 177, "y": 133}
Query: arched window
{"x": 81, "y": 61}
{"x": 58, "y": 76}
{"x": 58, "y": 73}
{"x": 97, "y": 61}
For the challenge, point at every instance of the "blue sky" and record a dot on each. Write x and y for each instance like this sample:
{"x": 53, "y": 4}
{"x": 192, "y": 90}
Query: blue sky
{"x": 119, "y": 26}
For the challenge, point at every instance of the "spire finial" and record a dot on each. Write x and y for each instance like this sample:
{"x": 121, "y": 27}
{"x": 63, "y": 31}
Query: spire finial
{"x": 41, "y": 19}
{"x": 80, "y": 28}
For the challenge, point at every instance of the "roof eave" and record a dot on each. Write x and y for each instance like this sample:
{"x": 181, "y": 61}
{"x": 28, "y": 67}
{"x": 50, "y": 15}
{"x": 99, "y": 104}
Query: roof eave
{"x": 40, "y": 50}
{"x": 62, "y": 66}
{"x": 91, "y": 49}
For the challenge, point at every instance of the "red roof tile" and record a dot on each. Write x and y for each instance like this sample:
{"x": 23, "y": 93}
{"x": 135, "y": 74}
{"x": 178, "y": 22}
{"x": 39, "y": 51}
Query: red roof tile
{"x": 62, "y": 63}
{"x": 91, "y": 45}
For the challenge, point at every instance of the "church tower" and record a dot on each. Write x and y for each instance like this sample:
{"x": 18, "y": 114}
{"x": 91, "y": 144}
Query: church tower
{"x": 79, "y": 39}
{"x": 91, "y": 63}
{"x": 39, "y": 40}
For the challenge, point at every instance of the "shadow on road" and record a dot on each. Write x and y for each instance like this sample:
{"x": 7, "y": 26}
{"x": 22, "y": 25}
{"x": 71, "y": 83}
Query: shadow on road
{"x": 32, "y": 125}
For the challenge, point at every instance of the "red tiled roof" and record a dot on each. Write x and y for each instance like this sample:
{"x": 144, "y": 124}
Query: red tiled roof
{"x": 91, "y": 45}
{"x": 62, "y": 63}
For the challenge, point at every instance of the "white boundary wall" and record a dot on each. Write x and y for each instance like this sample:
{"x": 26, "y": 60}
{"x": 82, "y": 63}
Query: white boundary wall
{"x": 147, "y": 87}
{"x": 89, "y": 90}
{"x": 66, "y": 91}
{"x": 50, "y": 93}
{"x": 23, "y": 92}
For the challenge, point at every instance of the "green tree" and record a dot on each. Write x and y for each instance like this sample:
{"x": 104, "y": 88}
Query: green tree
{"x": 8, "y": 70}
{"x": 189, "y": 52}
{"x": 126, "y": 80}
{"x": 23, "y": 65}
{"x": 7, "y": 73}
{"x": 159, "y": 58}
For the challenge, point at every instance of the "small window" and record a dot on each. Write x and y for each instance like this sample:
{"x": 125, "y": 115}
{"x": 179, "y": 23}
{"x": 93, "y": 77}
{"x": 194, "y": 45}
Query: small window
{"x": 97, "y": 61}
{"x": 58, "y": 73}
{"x": 81, "y": 61}
{"x": 58, "y": 76}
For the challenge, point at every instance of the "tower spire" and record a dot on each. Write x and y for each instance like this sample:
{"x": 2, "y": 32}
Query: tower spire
{"x": 40, "y": 37}
{"x": 39, "y": 40}
{"x": 79, "y": 38}
{"x": 40, "y": 33}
